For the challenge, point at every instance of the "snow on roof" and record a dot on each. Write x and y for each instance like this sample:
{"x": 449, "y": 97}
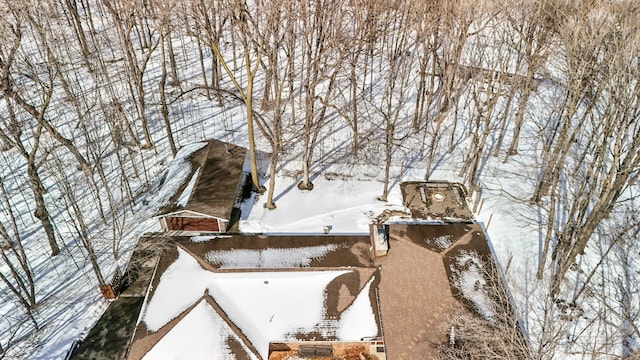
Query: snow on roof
{"x": 177, "y": 173}
{"x": 205, "y": 238}
{"x": 265, "y": 306}
{"x": 276, "y": 305}
{"x": 216, "y": 173}
{"x": 268, "y": 258}
{"x": 358, "y": 321}
{"x": 468, "y": 277}
{"x": 199, "y": 335}
{"x": 181, "y": 285}
{"x": 186, "y": 193}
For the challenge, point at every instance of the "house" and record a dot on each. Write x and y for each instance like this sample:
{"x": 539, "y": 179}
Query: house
{"x": 205, "y": 203}
{"x": 247, "y": 296}
{"x": 302, "y": 296}
{"x": 389, "y": 294}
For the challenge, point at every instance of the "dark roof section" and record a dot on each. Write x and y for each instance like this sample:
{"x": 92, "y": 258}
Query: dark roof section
{"x": 110, "y": 338}
{"x": 221, "y": 168}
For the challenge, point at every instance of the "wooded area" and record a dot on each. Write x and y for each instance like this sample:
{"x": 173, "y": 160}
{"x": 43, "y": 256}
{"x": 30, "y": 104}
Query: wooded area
{"x": 88, "y": 87}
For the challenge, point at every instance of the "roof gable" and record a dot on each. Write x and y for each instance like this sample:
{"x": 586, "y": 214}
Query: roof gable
{"x": 200, "y": 334}
{"x": 188, "y": 213}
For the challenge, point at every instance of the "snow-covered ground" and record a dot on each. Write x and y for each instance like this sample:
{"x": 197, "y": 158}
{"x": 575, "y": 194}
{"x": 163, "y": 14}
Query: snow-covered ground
{"x": 347, "y": 205}
{"x": 344, "y": 197}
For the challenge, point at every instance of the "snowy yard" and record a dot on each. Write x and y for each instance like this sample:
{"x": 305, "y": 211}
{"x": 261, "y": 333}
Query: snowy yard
{"x": 533, "y": 107}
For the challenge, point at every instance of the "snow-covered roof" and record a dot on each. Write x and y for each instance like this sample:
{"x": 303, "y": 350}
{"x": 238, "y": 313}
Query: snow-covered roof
{"x": 201, "y": 334}
{"x": 253, "y": 306}
{"x": 203, "y": 178}
{"x": 253, "y": 290}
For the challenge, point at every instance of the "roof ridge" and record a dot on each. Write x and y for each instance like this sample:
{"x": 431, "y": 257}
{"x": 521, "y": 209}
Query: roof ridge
{"x": 166, "y": 329}
{"x": 236, "y": 330}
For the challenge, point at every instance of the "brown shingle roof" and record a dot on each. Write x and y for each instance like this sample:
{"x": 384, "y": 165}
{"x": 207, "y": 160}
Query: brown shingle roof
{"x": 221, "y": 167}
{"x": 416, "y": 294}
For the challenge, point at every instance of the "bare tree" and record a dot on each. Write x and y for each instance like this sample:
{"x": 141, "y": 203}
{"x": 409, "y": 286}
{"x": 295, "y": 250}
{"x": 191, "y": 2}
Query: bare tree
{"x": 428, "y": 38}
{"x": 72, "y": 14}
{"x": 164, "y": 29}
{"x": 488, "y": 86}
{"x": 605, "y": 141}
{"x": 126, "y": 18}
{"x": 240, "y": 16}
{"x": 11, "y": 133}
{"x": 27, "y": 71}
{"x": 320, "y": 24}
{"x": 582, "y": 88}
{"x": 357, "y": 47}
{"x": 604, "y": 292}
{"x": 273, "y": 36}
{"x": 209, "y": 18}
{"x": 19, "y": 278}
{"x": 626, "y": 307}
{"x": 453, "y": 31}
{"x": 398, "y": 56}
{"x": 70, "y": 205}
{"x": 533, "y": 24}
{"x": 494, "y": 334}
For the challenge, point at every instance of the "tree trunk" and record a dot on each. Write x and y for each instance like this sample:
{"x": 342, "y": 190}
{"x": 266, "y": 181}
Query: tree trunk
{"x": 164, "y": 110}
{"x": 175, "y": 81}
{"x": 388, "y": 151}
{"x": 273, "y": 163}
{"x": 72, "y": 6}
{"x": 41, "y": 212}
{"x": 521, "y": 110}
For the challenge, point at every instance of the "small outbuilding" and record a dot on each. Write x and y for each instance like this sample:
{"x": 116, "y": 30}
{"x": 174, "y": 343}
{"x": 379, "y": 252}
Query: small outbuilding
{"x": 205, "y": 203}
{"x": 437, "y": 200}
